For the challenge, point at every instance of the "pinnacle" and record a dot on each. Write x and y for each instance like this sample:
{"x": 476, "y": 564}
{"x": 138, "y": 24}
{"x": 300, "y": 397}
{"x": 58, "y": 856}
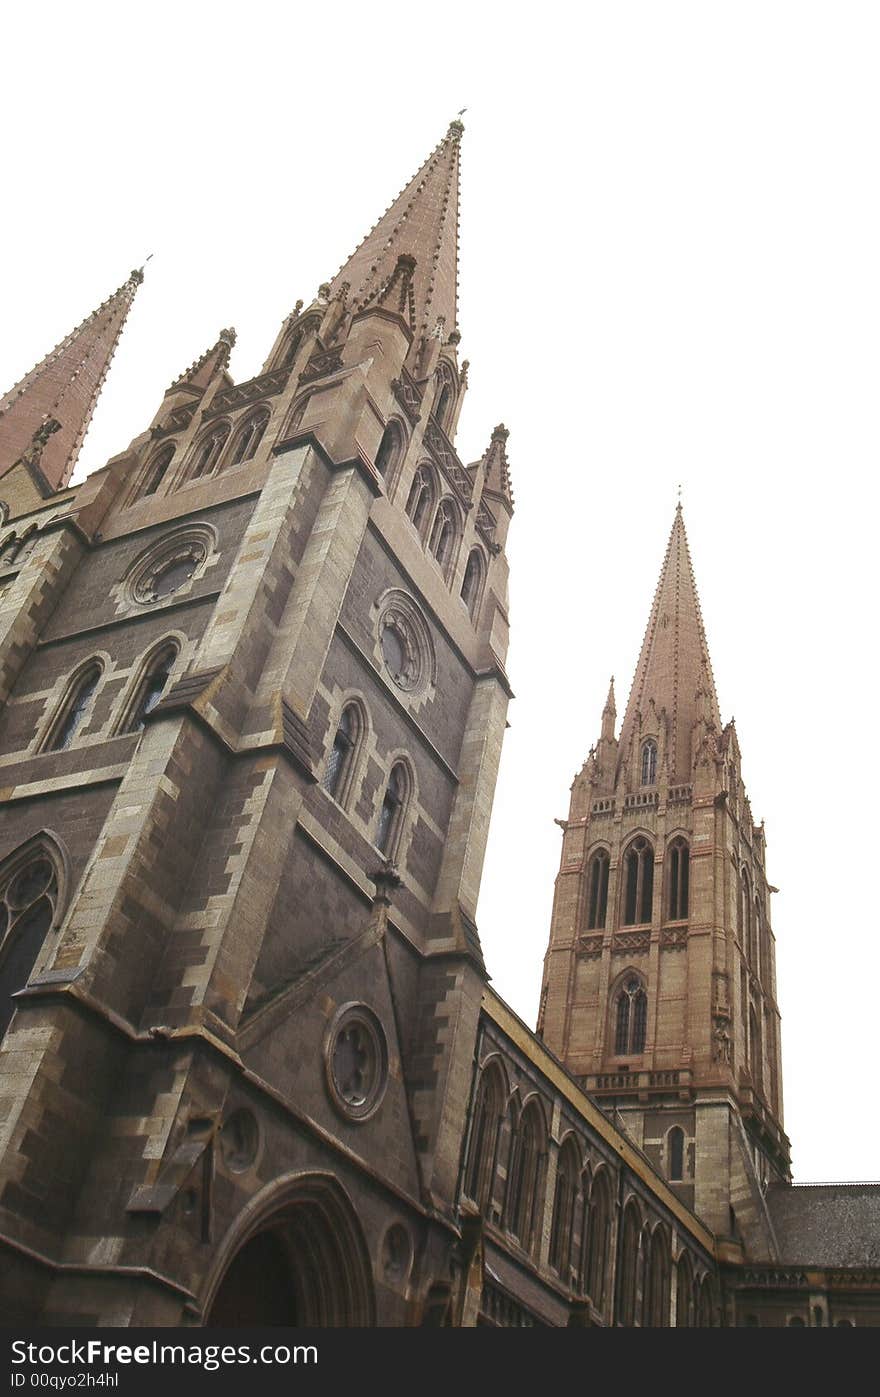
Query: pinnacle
{"x": 214, "y": 360}
{"x": 63, "y": 388}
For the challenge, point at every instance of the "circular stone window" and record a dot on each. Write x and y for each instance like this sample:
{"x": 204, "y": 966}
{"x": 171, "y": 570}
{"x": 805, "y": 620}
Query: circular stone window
{"x": 239, "y": 1140}
{"x": 357, "y": 1061}
{"x": 405, "y": 643}
{"x": 170, "y": 565}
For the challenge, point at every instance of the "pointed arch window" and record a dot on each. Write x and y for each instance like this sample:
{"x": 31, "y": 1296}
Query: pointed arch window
{"x": 393, "y": 809}
{"x": 151, "y": 688}
{"x": 482, "y": 1154}
{"x": 679, "y": 880}
{"x": 73, "y": 710}
{"x": 564, "y": 1198}
{"x": 343, "y": 753}
{"x": 657, "y": 1278}
{"x": 28, "y": 904}
{"x": 443, "y": 402}
{"x": 629, "y": 1277}
{"x": 525, "y": 1176}
{"x": 630, "y": 1018}
{"x": 756, "y": 1054}
{"x": 596, "y": 1241}
{"x": 649, "y": 762}
{"x": 638, "y": 882}
{"x": 421, "y": 497}
{"x": 675, "y": 1153}
{"x": 443, "y": 533}
{"x": 684, "y": 1293}
{"x": 597, "y": 904}
{"x": 207, "y": 452}
{"x": 157, "y": 469}
{"x": 473, "y": 581}
{"x": 390, "y": 450}
{"x": 249, "y": 437}
{"x": 289, "y": 353}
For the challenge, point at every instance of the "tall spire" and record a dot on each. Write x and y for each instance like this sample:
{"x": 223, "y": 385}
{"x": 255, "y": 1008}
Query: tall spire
{"x": 62, "y": 390}
{"x": 410, "y": 258}
{"x": 674, "y": 667}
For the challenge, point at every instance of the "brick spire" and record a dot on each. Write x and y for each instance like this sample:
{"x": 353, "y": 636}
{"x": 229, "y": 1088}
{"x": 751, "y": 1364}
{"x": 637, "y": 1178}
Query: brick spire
{"x": 674, "y": 667}
{"x": 45, "y": 417}
{"x": 409, "y": 260}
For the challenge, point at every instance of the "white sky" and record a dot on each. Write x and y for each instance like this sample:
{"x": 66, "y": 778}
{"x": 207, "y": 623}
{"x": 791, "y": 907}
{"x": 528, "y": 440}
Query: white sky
{"x": 670, "y": 228}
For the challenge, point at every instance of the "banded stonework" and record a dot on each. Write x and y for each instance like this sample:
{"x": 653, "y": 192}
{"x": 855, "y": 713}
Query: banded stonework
{"x": 253, "y": 689}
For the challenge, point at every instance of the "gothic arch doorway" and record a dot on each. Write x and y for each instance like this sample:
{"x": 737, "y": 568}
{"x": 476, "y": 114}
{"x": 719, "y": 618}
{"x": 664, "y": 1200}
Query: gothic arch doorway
{"x": 301, "y": 1262}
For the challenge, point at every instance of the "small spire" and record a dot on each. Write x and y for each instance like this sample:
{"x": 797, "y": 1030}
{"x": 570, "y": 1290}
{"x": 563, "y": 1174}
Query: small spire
{"x": 609, "y": 714}
{"x": 64, "y": 388}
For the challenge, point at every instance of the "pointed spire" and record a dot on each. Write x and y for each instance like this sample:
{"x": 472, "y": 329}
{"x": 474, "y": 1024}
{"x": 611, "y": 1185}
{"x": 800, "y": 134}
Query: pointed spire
{"x": 496, "y": 465}
{"x": 674, "y": 669}
{"x": 213, "y": 361}
{"x": 609, "y": 714}
{"x": 63, "y": 388}
{"x": 409, "y": 260}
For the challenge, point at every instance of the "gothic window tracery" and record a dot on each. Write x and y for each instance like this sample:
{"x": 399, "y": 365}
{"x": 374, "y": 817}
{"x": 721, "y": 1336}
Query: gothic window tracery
{"x": 390, "y": 450}
{"x": 151, "y": 687}
{"x": 29, "y": 897}
{"x": 524, "y": 1178}
{"x": 444, "y": 400}
{"x": 638, "y": 882}
{"x": 249, "y": 437}
{"x": 649, "y": 762}
{"x": 473, "y": 581}
{"x": 630, "y": 1017}
{"x": 343, "y": 753}
{"x": 564, "y": 1197}
{"x": 630, "y": 1243}
{"x": 597, "y": 905}
{"x": 675, "y": 1153}
{"x": 74, "y": 708}
{"x": 657, "y": 1280}
{"x": 684, "y": 1293}
{"x": 443, "y": 533}
{"x": 207, "y": 451}
{"x": 679, "y": 879}
{"x": 157, "y": 468}
{"x": 391, "y": 814}
{"x": 421, "y": 497}
{"x": 488, "y": 1111}
{"x": 595, "y": 1243}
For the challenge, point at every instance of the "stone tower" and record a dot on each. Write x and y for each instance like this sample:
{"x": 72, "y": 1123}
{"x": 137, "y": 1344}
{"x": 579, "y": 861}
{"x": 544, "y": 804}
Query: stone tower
{"x": 659, "y": 990}
{"x": 254, "y": 699}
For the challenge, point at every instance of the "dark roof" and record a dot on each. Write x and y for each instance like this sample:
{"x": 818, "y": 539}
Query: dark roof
{"x": 826, "y": 1224}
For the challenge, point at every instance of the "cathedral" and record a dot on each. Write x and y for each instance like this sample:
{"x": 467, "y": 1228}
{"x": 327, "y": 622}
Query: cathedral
{"x": 253, "y": 1070}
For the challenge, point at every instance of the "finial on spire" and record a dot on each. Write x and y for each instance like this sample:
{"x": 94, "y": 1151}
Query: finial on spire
{"x": 678, "y": 506}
